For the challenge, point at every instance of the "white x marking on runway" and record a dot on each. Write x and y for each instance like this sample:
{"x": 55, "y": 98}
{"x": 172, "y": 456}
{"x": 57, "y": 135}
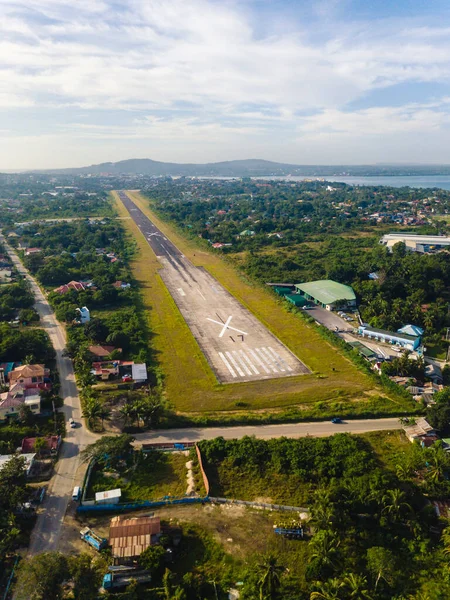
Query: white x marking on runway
{"x": 226, "y": 326}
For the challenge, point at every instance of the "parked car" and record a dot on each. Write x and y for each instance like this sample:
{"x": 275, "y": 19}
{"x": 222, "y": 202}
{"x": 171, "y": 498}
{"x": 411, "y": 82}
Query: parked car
{"x": 336, "y": 420}
{"x": 72, "y": 423}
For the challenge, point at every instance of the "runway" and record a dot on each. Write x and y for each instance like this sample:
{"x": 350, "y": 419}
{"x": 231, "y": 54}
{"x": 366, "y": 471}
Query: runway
{"x": 236, "y": 344}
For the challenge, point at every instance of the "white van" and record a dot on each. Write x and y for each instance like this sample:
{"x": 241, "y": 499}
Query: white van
{"x": 76, "y": 493}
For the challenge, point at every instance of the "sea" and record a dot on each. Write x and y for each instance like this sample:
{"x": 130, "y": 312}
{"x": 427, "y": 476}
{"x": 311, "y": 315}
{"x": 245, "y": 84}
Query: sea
{"x": 420, "y": 181}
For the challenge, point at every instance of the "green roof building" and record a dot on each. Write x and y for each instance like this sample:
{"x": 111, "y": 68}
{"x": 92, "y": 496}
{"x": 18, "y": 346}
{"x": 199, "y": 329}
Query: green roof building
{"x": 327, "y": 293}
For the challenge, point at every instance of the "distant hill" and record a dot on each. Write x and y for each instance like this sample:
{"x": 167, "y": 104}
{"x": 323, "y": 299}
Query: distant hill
{"x": 145, "y": 166}
{"x": 248, "y": 168}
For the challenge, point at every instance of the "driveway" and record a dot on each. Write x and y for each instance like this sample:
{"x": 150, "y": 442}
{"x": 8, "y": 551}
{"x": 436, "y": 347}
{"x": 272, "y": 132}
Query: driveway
{"x": 47, "y": 532}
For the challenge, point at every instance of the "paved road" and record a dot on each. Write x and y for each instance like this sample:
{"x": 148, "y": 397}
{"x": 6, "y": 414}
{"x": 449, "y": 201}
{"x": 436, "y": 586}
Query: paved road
{"x": 291, "y": 430}
{"x": 47, "y": 531}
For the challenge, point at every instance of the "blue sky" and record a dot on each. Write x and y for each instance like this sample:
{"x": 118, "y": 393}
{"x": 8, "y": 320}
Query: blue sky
{"x": 317, "y": 82}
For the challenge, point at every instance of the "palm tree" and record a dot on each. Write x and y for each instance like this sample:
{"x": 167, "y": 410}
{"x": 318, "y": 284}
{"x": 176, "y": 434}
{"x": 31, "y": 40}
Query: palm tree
{"x": 104, "y": 413}
{"x": 330, "y": 590}
{"x": 438, "y": 461}
{"x": 324, "y": 549}
{"x": 127, "y": 413}
{"x": 356, "y": 586}
{"x": 395, "y": 503}
{"x": 270, "y": 577}
{"x": 92, "y": 410}
{"x": 445, "y": 538}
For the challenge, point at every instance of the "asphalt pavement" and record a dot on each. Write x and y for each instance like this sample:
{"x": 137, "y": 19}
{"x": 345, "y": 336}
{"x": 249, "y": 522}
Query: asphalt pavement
{"x": 47, "y": 531}
{"x": 290, "y": 430}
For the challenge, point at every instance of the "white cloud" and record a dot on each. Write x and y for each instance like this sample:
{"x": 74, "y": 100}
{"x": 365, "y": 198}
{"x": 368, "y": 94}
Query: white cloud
{"x": 210, "y": 59}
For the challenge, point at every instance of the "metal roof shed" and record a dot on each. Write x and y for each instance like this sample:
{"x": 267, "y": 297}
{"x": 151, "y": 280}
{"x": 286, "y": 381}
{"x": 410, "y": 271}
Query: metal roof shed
{"x": 327, "y": 292}
{"x": 139, "y": 372}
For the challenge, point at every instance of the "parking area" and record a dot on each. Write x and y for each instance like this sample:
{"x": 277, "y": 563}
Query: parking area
{"x": 329, "y": 319}
{"x": 236, "y": 344}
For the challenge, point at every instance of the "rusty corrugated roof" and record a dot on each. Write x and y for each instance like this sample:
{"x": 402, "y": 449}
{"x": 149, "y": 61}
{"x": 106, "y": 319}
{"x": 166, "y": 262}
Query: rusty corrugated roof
{"x": 130, "y": 537}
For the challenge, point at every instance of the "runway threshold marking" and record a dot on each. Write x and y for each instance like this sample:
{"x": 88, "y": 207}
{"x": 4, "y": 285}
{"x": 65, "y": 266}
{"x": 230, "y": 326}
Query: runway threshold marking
{"x": 259, "y": 361}
{"x": 227, "y": 364}
{"x": 252, "y": 366}
{"x": 241, "y": 362}
{"x": 234, "y": 363}
{"x": 281, "y": 359}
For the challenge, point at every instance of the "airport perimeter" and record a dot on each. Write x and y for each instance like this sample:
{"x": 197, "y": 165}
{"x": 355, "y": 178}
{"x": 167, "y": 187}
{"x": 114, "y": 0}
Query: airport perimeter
{"x": 237, "y": 346}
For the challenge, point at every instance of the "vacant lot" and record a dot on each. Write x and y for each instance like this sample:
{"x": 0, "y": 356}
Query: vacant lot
{"x": 150, "y": 477}
{"x": 287, "y": 471}
{"x": 334, "y": 385}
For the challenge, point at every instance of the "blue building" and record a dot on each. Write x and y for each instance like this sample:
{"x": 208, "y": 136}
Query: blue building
{"x": 404, "y": 340}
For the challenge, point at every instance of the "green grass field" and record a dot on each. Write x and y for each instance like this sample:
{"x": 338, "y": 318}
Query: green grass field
{"x": 335, "y": 383}
{"x": 156, "y": 475}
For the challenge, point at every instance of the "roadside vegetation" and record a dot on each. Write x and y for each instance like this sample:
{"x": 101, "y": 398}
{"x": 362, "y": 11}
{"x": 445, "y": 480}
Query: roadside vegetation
{"x": 370, "y": 532}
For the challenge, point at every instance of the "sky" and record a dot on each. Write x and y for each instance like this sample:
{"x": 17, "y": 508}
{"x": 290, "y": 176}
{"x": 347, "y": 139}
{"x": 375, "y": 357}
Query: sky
{"x": 304, "y": 82}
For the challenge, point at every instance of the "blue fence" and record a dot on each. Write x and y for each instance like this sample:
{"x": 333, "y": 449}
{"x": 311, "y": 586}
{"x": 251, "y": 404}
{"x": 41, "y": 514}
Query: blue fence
{"x": 116, "y": 508}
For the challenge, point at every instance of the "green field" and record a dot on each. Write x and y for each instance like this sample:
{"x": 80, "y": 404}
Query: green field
{"x": 335, "y": 384}
{"x": 152, "y": 476}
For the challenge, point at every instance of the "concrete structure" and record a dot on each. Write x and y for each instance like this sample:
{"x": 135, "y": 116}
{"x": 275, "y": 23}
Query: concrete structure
{"x": 128, "y": 538}
{"x": 408, "y": 342}
{"x": 29, "y": 460}
{"x": 108, "y": 497}
{"x": 327, "y": 293}
{"x": 416, "y": 243}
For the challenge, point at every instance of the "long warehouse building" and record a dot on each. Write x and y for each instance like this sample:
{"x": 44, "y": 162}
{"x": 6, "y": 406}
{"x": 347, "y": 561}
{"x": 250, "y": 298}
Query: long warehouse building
{"x": 416, "y": 243}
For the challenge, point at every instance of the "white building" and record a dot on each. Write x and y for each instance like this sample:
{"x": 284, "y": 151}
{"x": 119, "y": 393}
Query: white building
{"x": 108, "y": 497}
{"x": 416, "y": 243}
{"x": 29, "y": 460}
{"x": 85, "y": 316}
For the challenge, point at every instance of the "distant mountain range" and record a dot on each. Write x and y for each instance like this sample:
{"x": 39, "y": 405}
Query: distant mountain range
{"x": 247, "y": 168}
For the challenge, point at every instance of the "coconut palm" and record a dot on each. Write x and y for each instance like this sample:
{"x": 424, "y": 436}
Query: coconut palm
{"x": 324, "y": 548}
{"x": 445, "y": 539}
{"x": 92, "y": 410}
{"x": 330, "y": 590}
{"x": 103, "y": 414}
{"x": 270, "y": 577}
{"x": 438, "y": 464}
{"x": 395, "y": 503}
{"x": 127, "y": 413}
{"x": 356, "y": 586}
